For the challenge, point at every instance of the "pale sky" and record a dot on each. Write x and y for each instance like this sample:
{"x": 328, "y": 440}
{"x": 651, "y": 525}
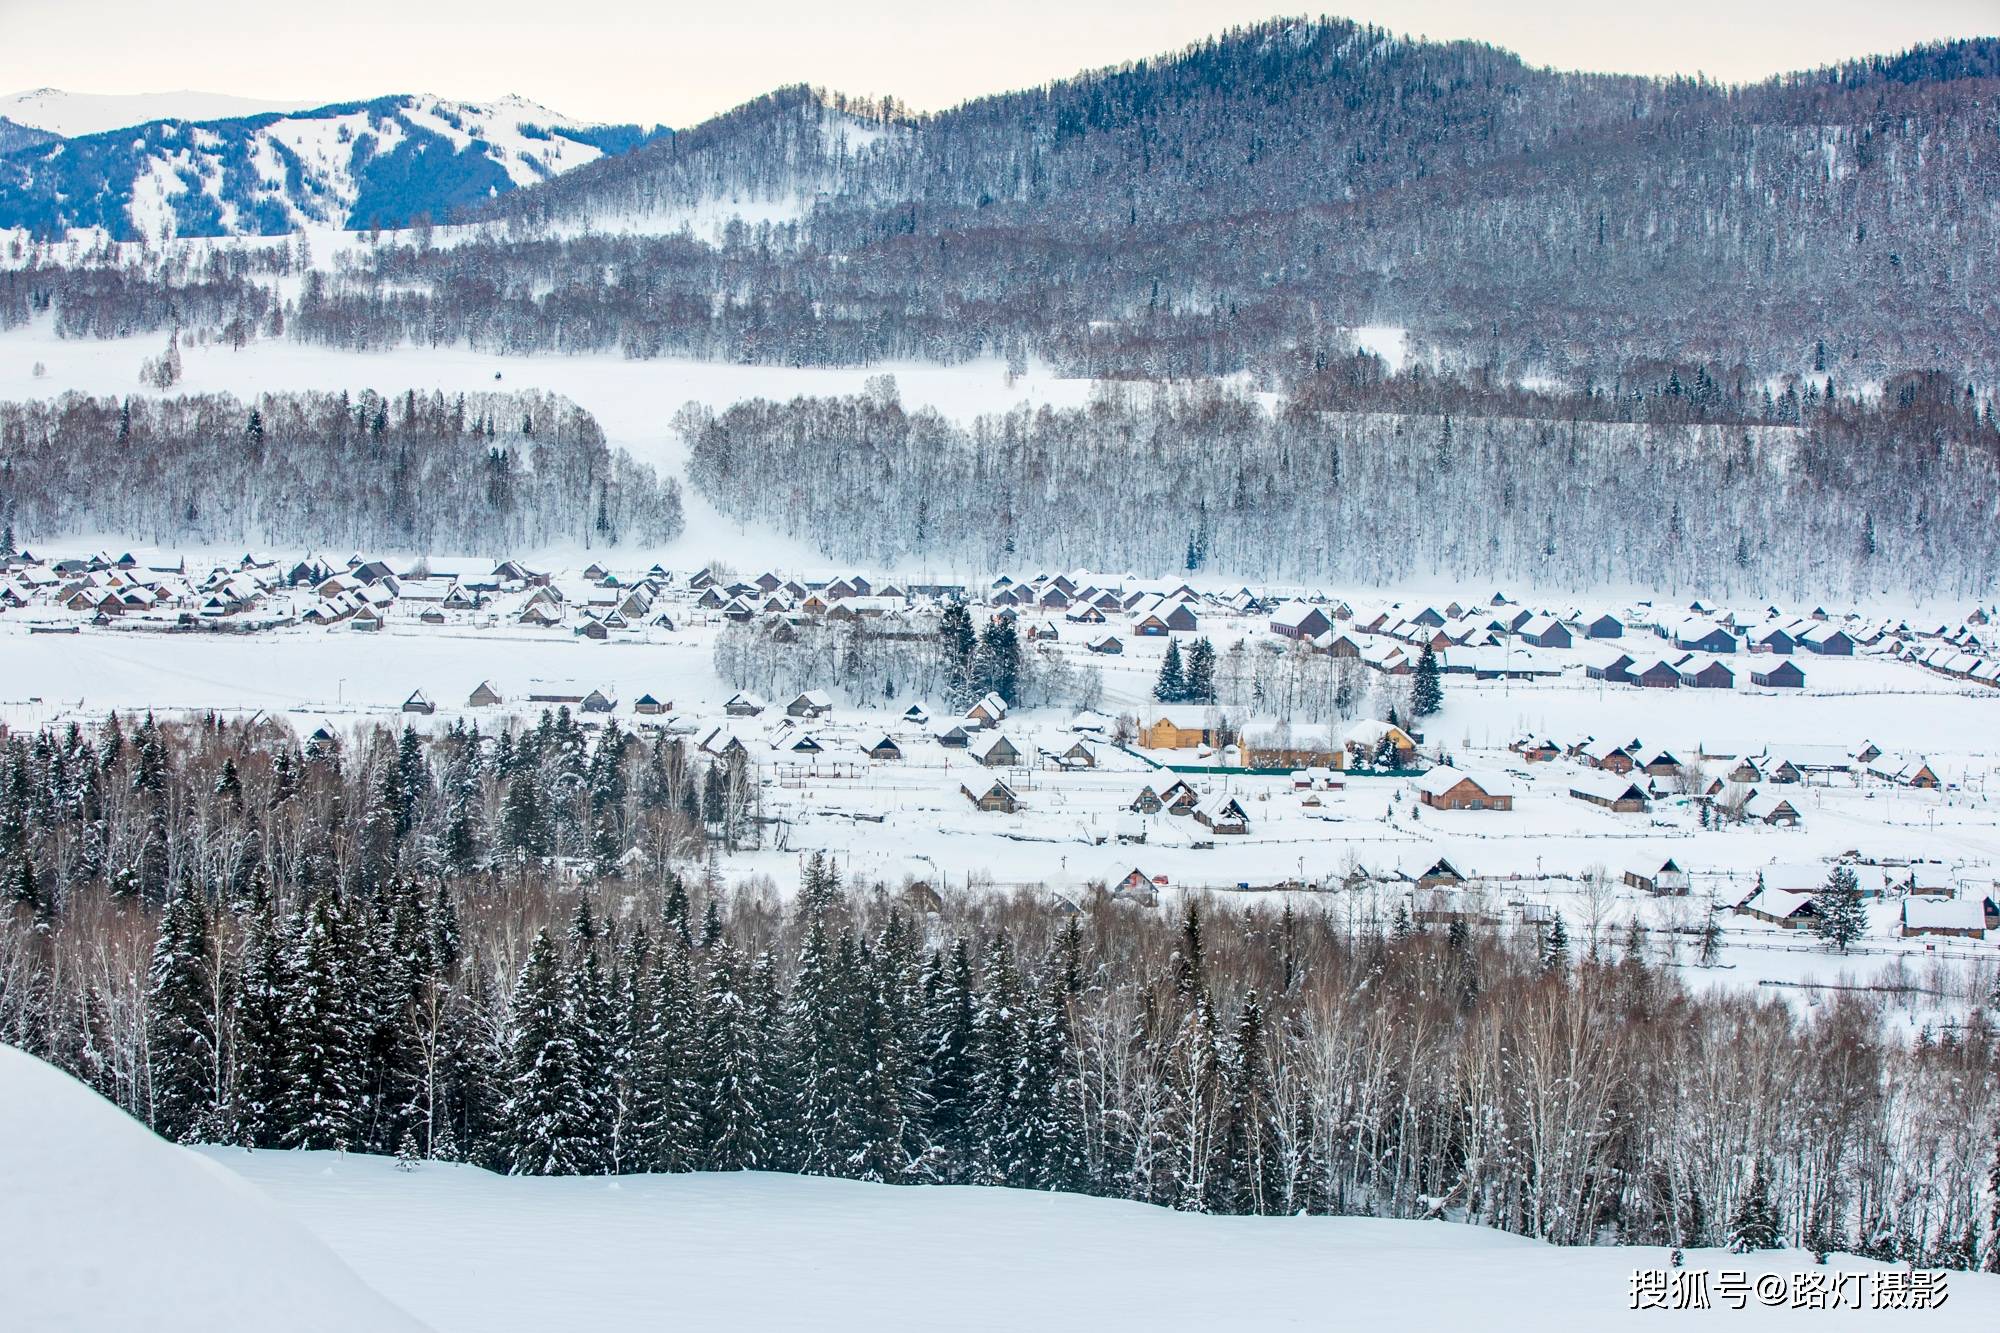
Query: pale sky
{"x": 676, "y": 63}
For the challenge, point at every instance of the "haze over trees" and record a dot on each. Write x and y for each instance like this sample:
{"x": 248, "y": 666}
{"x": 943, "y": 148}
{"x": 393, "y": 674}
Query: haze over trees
{"x": 481, "y": 472}
{"x": 1853, "y": 497}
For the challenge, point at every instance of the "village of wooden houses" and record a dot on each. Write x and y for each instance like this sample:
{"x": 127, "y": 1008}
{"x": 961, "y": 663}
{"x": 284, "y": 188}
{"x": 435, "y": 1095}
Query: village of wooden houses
{"x": 1680, "y": 768}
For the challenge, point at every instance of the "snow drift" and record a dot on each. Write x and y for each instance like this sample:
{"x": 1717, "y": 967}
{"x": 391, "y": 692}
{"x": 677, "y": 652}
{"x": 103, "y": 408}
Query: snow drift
{"x": 105, "y": 1226}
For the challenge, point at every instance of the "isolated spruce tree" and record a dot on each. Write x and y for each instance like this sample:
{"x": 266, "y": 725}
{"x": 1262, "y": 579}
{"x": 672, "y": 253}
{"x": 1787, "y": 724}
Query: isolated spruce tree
{"x": 1427, "y": 695}
{"x": 1555, "y": 948}
{"x": 1754, "y": 1226}
{"x": 1171, "y": 688}
{"x": 1842, "y": 918}
{"x": 1711, "y": 941}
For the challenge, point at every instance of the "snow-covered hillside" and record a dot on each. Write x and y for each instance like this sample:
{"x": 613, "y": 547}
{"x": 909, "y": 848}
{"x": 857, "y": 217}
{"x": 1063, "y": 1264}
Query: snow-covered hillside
{"x": 106, "y": 1226}
{"x": 386, "y": 161}
{"x": 482, "y": 1253}
{"x": 72, "y": 114}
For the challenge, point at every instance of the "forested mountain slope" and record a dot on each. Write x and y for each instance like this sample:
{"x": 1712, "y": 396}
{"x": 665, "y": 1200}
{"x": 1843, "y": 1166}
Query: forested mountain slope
{"x": 1292, "y": 178}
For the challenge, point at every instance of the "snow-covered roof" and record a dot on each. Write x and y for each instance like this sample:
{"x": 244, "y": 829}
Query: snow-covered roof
{"x": 1442, "y": 779}
{"x": 1944, "y": 913}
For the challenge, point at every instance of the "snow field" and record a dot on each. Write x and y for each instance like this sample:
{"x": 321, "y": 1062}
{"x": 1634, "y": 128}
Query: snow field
{"x": 471, "y": 1251}
{"x": 105, "y": 1226}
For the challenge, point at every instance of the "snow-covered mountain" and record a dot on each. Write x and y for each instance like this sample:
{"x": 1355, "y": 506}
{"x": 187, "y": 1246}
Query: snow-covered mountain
{"x": 387, "y": 161}
{"x": 71, "y": 114}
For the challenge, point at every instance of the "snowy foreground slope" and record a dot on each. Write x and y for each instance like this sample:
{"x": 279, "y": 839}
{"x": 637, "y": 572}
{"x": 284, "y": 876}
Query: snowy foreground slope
{"x": 104, "y": 1226}
{"x": 471, "y": 1251}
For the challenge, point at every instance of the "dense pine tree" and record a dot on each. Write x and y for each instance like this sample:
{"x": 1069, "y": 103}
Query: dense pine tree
{"x": 263, "y": 1042}
{"x": 1754, "y": 1225}
{"x": 324, "y": 1103}
{"x": 1171, "y": 687}
{"x": 1427, "y": 695}
{"x": 1842, "y": 918}
{"x": 185, "y": 1031}
{"x": 551, "y": 1120}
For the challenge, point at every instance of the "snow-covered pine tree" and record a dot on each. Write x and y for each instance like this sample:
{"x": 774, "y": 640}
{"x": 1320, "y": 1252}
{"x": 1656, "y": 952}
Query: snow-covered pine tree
{"x": 587, "y": 1011}
{"x": 1992, "y": 1263}
{"x": 733, "y": 1109}
{"x": 476, "y": 1072}
{"x": 1427, "y": 694}
{"x": 999, "y": 1052}
{"x": 957, "y": 643}
{"x": 324, "y": 1095}
{"x": 549, "y": 1117}
{"x": 1249, "y": 1176}
{"x": 1199, "y": 684}
{"x": 666, "y": 1100}
{"x": 948, "y": 1007}
{"x": 891, "y": 1105}
{"x": 1194, "y": 1105}
{"x": 1754, "y": 1225}
{"x": 1171, "y": 687}
{"x": 262, "y": 1049}
{"x": 824, "y": 1014}
{"x": 186, "y": 1065}
{"x": 1555, "y": 948}
{"x": 996, "y": 666}
{"x": 1841, "y": 919}
{"x": 1052, "y": 1096}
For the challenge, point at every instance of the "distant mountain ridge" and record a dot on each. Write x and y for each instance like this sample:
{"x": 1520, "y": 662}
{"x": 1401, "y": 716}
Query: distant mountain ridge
{"x": 383, "y": 162}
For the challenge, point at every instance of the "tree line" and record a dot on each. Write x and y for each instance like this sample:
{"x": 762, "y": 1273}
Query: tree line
{"x": 542, "y": 1013}
{"x": 1862, "y": 498}
{"x": 949, "y": 662}
{"x": 420, "y": 471}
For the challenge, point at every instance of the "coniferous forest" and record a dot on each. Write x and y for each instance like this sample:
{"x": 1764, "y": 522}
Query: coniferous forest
{"x": 512, "y": 950}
